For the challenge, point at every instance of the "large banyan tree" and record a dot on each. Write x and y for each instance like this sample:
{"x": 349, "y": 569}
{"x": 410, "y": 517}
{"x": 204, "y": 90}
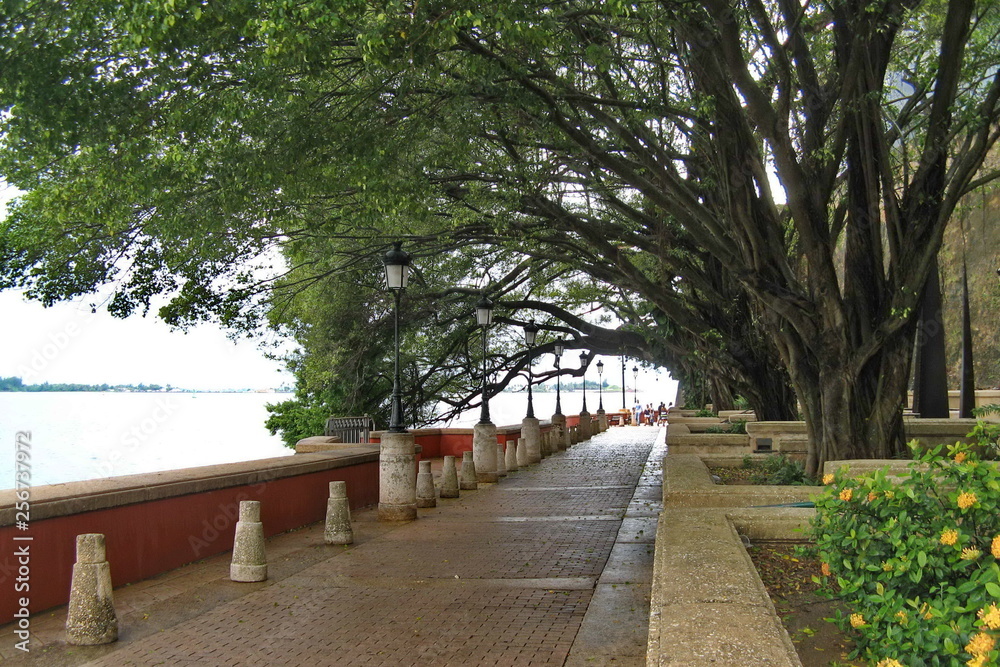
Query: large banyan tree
{"x": 769, "y": 180}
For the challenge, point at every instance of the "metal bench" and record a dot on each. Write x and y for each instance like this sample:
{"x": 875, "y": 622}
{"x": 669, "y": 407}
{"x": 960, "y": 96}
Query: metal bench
{"x": 350, "y": 429}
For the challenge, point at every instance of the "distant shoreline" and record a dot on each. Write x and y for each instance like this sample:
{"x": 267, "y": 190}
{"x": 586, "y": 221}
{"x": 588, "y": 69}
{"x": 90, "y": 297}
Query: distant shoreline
{"x": 16, "y": 385}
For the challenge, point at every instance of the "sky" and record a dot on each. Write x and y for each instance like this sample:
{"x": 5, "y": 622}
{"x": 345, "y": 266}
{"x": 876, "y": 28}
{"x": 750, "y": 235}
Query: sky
{"x": 68, "y": 343}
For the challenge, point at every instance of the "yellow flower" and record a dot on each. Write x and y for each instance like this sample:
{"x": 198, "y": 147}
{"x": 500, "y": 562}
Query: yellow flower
{"x": 858, "y": 621}
{"x": 846, "y": 494}
{"x": 970, "y": 554}
{"x": 959, "y": 457}
{"x": 889, "y": 662}
{"x": 872, "y": 496}
{"x": 990, "y": 617}
{"x": 978, "y": 661}
{"x": 886, "y": 566}
{"x": 825, "y": 569}
{"x": 949, "y": 537}
{"x": 828, "y": 478}
{"x": 966, "y": 500}
{"x": 995, "y": 547}
{"x": 980, "y": 645}
{"x": 903, "y": 618}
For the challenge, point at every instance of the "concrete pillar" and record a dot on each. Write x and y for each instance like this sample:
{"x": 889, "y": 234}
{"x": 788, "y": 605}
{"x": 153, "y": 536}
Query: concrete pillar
{"x": 510, "y": 460}
{"x": 584, "y": 430}
{"x": 397, "y": 478}
{"x": 532, "y": 440}
{"x": 91, "y": 617}
{"x": 425, "y": 486}
{"x": 484, "y": 451}
{"x": 602, "y": 421}
{"x": 249, "y": 560}
{"x": 449, "y": 478}
{"x": 561, "y": 433}
{"x": 501, "y": 461}
{"x": 338, "y": 516}
{"x": 469, "y": 480}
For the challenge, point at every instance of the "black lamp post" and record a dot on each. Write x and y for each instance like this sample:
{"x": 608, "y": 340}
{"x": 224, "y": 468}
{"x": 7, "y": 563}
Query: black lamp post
{"x": 600, "y": 385}
{"x": 397, "y": 273}
{"x": 530, "y": 333}
{"x": 484, "y": 316}
{"x": 583, "y": 366}
{"x": 560, "y": 345}
{"x": 635, "y": 388}
{"x": 623, "y": 382}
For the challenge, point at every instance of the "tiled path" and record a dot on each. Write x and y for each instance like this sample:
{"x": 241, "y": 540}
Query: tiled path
{"x": 551, "y": 566}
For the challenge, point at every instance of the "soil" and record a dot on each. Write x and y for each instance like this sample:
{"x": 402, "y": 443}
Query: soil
{"x": 787, "y": 574}
{"x": 737, "y": 476}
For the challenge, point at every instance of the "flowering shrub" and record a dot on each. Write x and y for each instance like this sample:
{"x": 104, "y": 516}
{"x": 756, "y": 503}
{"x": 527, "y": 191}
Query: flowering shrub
{"x": 916, "y": 560}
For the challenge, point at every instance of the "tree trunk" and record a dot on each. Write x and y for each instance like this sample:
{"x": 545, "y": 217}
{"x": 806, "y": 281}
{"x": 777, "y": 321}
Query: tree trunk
{"x": 932, "y": 382}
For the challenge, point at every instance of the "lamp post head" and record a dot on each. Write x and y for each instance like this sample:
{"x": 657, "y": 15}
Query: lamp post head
{"x": 583, "y": 359}
{"x": 484, "y": 311}
{"x": 397, "y": 267}
{"x": 600, "y": 367}
{"x": 530, "y": 333}
{"x": 560, "y": 346}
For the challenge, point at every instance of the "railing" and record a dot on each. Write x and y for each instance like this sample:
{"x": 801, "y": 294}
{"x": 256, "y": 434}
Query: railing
{"x": 350, "y": 429}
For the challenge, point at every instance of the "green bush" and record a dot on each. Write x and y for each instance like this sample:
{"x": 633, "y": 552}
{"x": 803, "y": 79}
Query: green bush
{"x": 705, "y": 413}
{"x": 736, "y": 426}
{"x": 916, "y": 560}
{"x": 779, "y": 470}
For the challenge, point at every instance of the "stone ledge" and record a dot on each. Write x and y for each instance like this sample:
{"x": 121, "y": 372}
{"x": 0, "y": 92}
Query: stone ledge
{"x": 708, "y": 605}
{"x": 688, "y": 483}
{"x": 55, "y": 500}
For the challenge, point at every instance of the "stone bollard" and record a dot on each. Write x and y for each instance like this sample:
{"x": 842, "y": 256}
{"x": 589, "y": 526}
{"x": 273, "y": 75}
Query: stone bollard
{"x": 449, "y": 478}
{"x": 397, "y": 477}
{"x": 484, "y": 451}
{"x": 557, "y": 433}
{"x": 602, "y": 421}
{"x": 91, "y": 617}
{"x": 468, "y": 481}
{"x": 521, "y": 453}
{"x": 425, "y": 486}
{"x": 510, "y": 456}
{"x": 249, "y": 561}
{"x": 534, "y": 449}
{"x": 338, "y": 516}
{"x": 584, "y": 430}
{"x": 501, "y": 461}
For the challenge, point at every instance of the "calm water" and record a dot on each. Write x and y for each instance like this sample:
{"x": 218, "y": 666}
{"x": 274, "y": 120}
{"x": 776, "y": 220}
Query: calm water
{"x": 88, "y": 435}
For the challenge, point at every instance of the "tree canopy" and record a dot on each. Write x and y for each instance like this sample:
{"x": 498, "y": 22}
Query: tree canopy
{"x": 758, "y": 188}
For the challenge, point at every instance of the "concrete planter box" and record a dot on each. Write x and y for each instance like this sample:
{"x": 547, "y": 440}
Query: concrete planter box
{"x": 708, "y": 443}
{"x": 708, "y": 605}
{"x": 735, "y": 415}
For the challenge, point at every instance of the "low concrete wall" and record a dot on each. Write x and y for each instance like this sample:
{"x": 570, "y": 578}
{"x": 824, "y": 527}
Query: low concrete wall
{"x": 708, "y": 605}
{"x": 434, "y": 442}
{"x": 156, "y": 522}
{"x": 708, "y": 443}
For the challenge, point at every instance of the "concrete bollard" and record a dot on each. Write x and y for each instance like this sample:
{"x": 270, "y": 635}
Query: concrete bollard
{"x": 425, "y": 486}
{"x": 468, "y": 480}
{"x": 584, "y": 430}
{"x": 521, "y": 453}
{"x": 397, "y": 477}
{"x": 249, "y": 561}
{"x": 511, "y": 455}
{"x": 534, "y": 449}
{"x": 501, "y": 461}
{"x": 484, "y": 451}
{"x": 91, "y": 618}
{"x": 557, "y": 433}
{"x": 338, "y": 516}
{"x": 449, "y": 478}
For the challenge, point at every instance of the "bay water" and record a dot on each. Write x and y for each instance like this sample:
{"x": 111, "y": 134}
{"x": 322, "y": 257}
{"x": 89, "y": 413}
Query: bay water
{"x": 77, "y": 436}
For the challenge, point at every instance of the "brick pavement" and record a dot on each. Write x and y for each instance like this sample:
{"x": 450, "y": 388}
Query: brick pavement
{"x": 550, "y": 566}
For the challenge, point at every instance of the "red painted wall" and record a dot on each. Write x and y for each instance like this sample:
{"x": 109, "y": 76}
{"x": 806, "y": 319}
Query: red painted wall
{"x": 145, "y": 539}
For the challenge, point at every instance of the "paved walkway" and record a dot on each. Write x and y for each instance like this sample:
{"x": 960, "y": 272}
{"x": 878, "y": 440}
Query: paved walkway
{"x": 551, "y": 566}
